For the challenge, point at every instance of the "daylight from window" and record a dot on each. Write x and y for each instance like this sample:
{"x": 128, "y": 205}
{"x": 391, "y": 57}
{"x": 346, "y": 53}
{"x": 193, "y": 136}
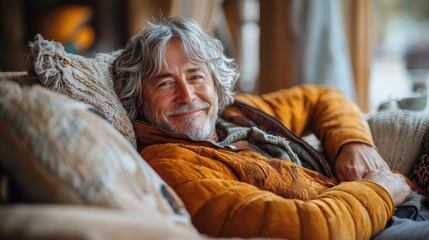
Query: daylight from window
{"x": 400, "y": 64}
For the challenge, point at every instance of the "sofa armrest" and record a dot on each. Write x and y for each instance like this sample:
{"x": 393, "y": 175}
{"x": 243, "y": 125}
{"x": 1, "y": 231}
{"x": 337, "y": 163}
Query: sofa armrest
{"x": 20, "y": 77}
{"x": 28, "y": 222}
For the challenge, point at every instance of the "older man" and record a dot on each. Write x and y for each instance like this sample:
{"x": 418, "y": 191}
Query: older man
{"x": 237, "y": 162}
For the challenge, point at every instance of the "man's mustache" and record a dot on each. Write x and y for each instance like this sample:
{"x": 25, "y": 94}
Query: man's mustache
{"x": 196, "y": 105}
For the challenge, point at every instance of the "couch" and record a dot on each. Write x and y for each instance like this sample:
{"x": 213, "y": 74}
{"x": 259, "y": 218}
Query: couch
{"x": 69, "y": 168}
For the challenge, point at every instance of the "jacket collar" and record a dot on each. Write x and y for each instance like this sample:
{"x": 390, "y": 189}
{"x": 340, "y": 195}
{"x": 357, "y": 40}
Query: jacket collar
{"x": 239, "y": 113}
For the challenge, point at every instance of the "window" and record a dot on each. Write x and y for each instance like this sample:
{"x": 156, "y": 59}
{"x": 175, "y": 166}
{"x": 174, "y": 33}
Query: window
{"x": 400, "y": 64}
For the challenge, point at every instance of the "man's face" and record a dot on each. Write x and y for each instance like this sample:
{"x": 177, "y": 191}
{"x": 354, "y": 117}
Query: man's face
{"x": 181, "y": 98}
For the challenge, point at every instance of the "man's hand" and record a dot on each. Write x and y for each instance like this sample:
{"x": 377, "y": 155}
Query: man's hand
{"x": 356, "y": 160}
{"x": 394, "y": 184}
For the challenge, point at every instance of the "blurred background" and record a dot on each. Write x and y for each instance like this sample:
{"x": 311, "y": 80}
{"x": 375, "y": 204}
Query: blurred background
{"x": 374, "y": 51}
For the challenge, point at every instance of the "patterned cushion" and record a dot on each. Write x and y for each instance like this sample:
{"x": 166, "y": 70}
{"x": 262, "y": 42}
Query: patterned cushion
{"x": 419, "y": 173}
{"x": 56, "y": 150}
{"x": 84, "y": 79}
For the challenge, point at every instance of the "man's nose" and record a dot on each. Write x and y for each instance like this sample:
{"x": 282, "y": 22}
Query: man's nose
{"x": 184, "y": 93}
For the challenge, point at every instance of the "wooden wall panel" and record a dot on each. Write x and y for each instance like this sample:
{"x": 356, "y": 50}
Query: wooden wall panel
{"x": 276, "y": 37}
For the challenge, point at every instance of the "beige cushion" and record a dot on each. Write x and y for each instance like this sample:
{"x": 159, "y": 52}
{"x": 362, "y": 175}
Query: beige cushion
{"x": 56, "y": 150}
{"x": 81, "y": 78}
{"x": 398, "y": 136}
{"x": 25, "y": 222}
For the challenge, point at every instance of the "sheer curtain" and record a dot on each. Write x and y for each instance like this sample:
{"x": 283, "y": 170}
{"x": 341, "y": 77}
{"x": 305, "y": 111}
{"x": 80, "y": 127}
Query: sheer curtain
{"x": 321, "y": 51}
{"x": 304, "y": 42}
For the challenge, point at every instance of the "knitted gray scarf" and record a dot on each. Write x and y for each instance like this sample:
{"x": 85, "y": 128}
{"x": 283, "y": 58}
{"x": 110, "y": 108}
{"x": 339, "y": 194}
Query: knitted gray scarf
{"x": 260, "y": 141}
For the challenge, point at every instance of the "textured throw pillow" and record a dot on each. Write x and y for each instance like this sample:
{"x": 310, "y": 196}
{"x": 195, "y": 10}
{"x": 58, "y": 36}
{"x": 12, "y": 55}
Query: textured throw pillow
{"x": 398, "y": 136}
{"x": 56, "y": 150}
{"x": 87, "y": 80}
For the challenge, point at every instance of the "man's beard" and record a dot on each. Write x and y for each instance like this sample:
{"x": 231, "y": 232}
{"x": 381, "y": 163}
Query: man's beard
{"x": 190, "y": 129}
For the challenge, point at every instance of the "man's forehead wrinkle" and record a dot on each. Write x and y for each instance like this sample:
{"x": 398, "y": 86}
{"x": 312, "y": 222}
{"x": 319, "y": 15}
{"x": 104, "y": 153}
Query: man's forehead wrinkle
{"x": 193, "y": 69}
{"x": 190, "y": 67}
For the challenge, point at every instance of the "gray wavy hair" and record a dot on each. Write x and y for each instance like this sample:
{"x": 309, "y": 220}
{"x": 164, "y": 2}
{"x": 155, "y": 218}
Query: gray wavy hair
{"x": 143, "y": 58}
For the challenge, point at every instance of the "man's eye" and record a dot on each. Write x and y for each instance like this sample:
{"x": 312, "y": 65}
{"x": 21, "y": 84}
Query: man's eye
{"x": 164, "y": 84}
{"x": 197, "y": 77}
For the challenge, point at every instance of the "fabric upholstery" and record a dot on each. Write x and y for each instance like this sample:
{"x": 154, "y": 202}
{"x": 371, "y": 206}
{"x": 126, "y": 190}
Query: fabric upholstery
{"x": 398, "y": 135}
{"x": 57, "y": 150}
{"x": 84, "y": 79}
{"x": 20, "y": 77}
{"x": 54, "y": 222}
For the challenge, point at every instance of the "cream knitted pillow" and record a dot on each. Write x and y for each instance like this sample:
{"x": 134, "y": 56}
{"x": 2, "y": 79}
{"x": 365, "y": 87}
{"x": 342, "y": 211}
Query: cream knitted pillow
{"x": 56, "y": 150}
{"x": 398, "y": 136}
{"x": 84, "y": 79}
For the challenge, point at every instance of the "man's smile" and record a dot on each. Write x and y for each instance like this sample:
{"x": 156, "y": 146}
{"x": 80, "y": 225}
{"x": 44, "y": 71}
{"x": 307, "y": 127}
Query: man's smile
{"x": 187, "y": 114}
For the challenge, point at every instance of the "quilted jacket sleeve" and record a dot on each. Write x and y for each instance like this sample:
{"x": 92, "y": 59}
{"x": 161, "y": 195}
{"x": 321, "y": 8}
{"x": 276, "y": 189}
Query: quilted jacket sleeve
{"x": 221, "y": 205}
{"x": 333, "y": 118}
